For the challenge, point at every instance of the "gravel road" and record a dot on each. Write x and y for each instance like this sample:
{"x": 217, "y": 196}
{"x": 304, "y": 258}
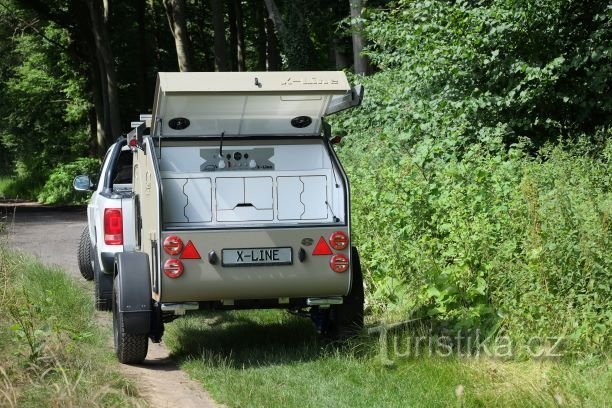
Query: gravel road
{"x": 53, "y": 237}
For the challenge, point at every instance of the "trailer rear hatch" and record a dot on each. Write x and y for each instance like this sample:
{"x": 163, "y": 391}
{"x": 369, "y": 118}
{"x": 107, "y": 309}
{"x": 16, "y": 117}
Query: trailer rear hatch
{"x": 205, "y": 104}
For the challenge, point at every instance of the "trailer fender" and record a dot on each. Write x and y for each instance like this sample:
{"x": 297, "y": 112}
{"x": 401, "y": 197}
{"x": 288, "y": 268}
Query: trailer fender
{"x": 134, "y": 291}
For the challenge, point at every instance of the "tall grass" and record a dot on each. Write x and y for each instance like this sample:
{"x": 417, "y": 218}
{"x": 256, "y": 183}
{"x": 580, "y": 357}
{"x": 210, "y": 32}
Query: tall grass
{"x": 51, "y": 351}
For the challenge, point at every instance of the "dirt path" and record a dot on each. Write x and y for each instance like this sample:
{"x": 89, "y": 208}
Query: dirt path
{"x": 53, "y": 237}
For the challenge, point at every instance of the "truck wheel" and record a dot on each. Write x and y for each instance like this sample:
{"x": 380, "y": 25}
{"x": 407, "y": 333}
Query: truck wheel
{"x": 103, "y": 289}
{"x": 85, "y": 259}
{"x": 129, "y": 348}
{"x": 346, "y": 320}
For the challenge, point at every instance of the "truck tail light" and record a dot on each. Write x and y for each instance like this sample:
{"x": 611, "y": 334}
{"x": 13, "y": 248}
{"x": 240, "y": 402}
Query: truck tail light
{"x": 113, "y": 226}
{"x": 173, "y": 245}
{"x": 339, "y": 263}
{"x": 338, "y": 240}
{"x": 173, "y": 268}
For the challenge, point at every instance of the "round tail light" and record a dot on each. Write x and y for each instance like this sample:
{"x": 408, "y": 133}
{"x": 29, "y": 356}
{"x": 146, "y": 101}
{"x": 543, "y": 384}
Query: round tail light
{"x": 173, "y": 268}
{"x": 173, "y": 245}
{"x": 339, "y": 263}
{"x": 338, "y": 240}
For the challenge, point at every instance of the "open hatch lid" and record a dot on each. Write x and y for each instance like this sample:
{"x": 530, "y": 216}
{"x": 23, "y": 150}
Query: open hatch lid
{"x": 248, "y": 103}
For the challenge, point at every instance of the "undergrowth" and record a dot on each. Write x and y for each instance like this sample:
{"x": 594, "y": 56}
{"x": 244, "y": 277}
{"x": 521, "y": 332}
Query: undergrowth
{"x": 480, "y": 188}
{"x": 51, "y": 352}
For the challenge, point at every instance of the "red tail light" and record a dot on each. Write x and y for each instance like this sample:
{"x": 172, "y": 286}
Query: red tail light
{"x": 113, "y": 226}
{"x": 173, "y": 245}
{"x": 338, "y": 240}
{"x": 339, "y": 263}
{"x": 173, "y": 268}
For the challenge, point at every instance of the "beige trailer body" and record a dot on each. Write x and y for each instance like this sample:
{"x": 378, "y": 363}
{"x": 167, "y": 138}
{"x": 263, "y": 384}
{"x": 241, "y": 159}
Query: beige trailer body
{"x": 237, "y": 168}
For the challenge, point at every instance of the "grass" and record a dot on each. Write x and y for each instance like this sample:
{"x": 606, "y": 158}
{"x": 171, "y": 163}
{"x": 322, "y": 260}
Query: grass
{"x": 5, "y": 184}
{"x": 52, "y": 352}
{"x": 24, "y": 188}
{"x": 269, "y": 358}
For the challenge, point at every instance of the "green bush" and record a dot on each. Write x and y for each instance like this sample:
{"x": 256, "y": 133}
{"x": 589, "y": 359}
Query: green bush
{"x": 480, "y": 180}
{"x": 58, "y": 188}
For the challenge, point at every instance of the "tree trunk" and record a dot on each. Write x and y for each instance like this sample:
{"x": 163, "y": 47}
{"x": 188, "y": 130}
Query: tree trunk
{"x": 108, "y": 81}
{"x": 272, "y": 51}
{"x": 275, "y": 15}
{"x": 220, "y": 45}
{"x": 260, "y": 40}
{"x": 143, "y": 60}
{"x": 233, "y": 36}
{"x": 175, "y": 10}
{"x": 294, "y": 33}
{"x": 360, "y": 62}
{"x": 240, "y": 52}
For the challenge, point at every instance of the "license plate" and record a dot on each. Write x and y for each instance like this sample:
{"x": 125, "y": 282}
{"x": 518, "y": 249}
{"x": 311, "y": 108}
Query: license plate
{"x": 257, "y": 256}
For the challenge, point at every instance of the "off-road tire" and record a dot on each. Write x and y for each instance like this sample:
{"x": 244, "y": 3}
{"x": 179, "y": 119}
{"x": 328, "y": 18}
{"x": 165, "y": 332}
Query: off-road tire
{"x": 346, "y": 320}
{"x": 129, "y": 348}
{"x": 103, "y": 284}
{"x": 85, "y": 255}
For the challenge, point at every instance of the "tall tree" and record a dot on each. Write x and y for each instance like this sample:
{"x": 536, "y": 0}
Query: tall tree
{"x": 360, "y": 61}
{"x": 294, "y": 33}
{"x": 86, "y": 24}
{"x": 260, "y": 35}
{"x": 237, "y": 25}
{"x": 175, "y": 10}
{"x": 273, "y": 58}
{"x": 99, "y": 14}
{"x": 220, "y": 45}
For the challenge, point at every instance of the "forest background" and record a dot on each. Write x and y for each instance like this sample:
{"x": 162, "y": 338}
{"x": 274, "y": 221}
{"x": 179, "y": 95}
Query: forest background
{"x": 479, "y": 161}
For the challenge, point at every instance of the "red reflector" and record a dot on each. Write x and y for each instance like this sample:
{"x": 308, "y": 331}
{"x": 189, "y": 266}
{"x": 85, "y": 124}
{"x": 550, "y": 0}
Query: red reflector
{"x": 113, "y": 226}
{"x": 322, "y": 248}
{"x": 338, "y": 240}
{"x": 173, "y": 245}
{"x": 190, "y": 252}
{"x": 133, "y": 142}
{"x": 173, "y": 268}
{"x": 339, "y": 263}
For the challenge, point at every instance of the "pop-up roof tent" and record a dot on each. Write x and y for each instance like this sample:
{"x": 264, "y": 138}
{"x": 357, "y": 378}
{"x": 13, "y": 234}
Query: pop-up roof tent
{"x": 200, "y": 104}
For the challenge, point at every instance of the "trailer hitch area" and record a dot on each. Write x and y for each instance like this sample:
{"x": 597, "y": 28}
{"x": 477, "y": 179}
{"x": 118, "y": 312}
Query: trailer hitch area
{"x": 179, "y": 309}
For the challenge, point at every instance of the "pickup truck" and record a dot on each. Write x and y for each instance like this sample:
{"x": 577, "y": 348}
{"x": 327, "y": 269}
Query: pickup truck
{"x": 108, "y": 229}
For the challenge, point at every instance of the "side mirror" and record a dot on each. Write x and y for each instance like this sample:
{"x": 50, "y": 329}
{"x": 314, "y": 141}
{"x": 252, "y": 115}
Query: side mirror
{"x": 82, "y": 183}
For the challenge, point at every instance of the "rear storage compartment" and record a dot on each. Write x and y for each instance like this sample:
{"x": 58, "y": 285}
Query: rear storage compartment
{"x": 250, "y": 184}
{"x": 254, "y": 205}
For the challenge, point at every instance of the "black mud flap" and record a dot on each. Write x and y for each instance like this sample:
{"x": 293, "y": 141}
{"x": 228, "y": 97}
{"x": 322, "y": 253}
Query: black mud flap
{"x": 134, "y": 291}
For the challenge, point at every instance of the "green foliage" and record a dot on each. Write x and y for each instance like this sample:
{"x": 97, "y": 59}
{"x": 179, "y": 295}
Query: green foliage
{"x": 465, "y": 215}
{"x": 58, "y": 188}
{"x": 537, "y": 69}
{"x": 43, "y": 109}
{"x": 52, "y": 350}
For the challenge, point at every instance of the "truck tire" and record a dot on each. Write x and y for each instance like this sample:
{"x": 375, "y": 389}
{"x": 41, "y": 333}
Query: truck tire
{"x": 85, "y": 256}
{"x": 129, "y": 348}
{"x": 346, "y": 320}
{"x": 103, "y": 289}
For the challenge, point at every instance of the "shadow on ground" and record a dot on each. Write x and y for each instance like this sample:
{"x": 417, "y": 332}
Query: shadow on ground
{"x": 246, "y": 339}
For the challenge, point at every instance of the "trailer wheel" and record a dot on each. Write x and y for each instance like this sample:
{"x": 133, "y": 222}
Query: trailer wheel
{"x": 346, "y": 320}
{"x": 129, "y": 348}
{"x": 85, "y": 258}
{"x": 103, "y": 289}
